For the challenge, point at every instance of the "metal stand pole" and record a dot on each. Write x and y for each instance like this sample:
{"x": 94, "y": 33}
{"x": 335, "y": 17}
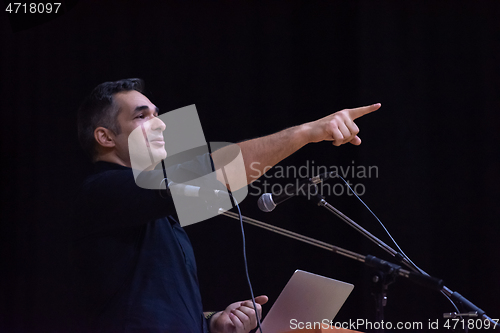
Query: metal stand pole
{"x": 389, "y": 269}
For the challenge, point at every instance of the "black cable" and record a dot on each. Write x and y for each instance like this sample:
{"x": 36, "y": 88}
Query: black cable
{"x": 245, "y": 261}
{"x": 234, "y": 203}
{"x": 421, "y": 271}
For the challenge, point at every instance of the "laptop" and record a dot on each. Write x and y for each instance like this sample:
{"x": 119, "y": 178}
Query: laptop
{"x": 307, "y": 297}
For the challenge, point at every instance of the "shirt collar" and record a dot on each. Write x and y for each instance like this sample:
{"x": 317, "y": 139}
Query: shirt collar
{"x": 101, "y": 166}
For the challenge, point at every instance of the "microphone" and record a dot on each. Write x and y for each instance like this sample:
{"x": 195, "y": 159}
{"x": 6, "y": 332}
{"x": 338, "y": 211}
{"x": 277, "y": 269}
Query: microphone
{"x": 196, "y": 191}
{"x": 185, "y": 190}
{"x": 267, "y": 201}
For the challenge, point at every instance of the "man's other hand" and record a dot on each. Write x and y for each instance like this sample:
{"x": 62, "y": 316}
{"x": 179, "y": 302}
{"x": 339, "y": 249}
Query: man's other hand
{"x": 238, "y": 317}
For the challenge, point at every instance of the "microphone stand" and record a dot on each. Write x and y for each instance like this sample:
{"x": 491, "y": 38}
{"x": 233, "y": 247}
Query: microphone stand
{"x": 382, "y": 279}
{"x": 369, "y": 260}
{"x": 387, "y": 271}
{"x": 474, "y": 311}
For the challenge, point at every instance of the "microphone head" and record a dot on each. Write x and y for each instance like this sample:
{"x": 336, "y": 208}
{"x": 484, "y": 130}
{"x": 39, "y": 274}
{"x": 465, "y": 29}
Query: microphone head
{"x": 266, "y": 203}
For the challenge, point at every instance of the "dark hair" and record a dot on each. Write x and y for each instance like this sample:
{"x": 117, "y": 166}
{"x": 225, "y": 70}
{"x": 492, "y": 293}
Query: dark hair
{"x": 100, "y": 110}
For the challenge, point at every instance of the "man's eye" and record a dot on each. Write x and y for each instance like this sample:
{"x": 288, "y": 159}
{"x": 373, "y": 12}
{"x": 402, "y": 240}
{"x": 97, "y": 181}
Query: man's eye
{"x": 141, "y": 116}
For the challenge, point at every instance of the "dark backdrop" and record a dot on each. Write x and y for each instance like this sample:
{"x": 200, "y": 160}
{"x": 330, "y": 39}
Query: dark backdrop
{"x": 252, "y": 69}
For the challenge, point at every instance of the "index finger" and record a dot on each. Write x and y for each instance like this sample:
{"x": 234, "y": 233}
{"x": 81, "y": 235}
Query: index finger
{"x": 358, "y": 112}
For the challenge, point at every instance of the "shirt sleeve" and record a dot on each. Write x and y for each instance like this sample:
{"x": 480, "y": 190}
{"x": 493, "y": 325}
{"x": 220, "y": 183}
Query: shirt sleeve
{"x": 112, "y": 199}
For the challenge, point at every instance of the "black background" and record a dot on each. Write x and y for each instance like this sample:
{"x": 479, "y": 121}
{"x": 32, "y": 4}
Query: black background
{"x": 253, "y": 68}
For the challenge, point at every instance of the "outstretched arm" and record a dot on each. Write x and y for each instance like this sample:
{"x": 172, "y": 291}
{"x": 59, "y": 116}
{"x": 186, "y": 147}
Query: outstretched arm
{"x": 260, "y": 154}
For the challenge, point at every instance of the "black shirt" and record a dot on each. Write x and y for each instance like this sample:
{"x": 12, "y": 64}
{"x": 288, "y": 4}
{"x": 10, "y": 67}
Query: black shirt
{"x": 134, "y": 260}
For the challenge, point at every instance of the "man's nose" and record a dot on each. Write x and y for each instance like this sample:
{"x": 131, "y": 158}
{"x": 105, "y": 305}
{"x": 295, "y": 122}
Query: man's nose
{"x": 157, "y": 124}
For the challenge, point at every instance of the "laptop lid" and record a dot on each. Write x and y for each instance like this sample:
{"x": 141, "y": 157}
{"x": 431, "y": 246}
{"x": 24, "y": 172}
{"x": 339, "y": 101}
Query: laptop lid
{"x": 307, "y": 297}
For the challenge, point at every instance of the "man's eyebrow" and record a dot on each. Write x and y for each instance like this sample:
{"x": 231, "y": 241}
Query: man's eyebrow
{"x": 141, "y": 108}
{"x": 145, "y": 107}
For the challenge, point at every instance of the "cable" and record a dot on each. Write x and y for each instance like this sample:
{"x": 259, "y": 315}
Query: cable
{"x": 235, "y": 203}
{"x": 383, "y": 226}
{"x": 421, "y": 271}
{"x": 245, "y": 261}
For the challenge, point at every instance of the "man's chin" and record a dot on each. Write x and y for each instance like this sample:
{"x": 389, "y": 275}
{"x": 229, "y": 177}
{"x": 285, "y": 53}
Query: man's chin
{"x": 160, "y": 154}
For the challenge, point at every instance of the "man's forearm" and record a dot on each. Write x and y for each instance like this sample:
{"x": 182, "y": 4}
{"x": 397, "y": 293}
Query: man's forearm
{"x": 260, "y": 154}
{"x": 257, "y": 156}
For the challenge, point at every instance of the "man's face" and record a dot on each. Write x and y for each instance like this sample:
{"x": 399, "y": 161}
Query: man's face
{"x": 146, "y": 145}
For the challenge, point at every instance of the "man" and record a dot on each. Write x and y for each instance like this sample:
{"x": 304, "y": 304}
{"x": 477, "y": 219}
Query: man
{"x": 135, "y": 261}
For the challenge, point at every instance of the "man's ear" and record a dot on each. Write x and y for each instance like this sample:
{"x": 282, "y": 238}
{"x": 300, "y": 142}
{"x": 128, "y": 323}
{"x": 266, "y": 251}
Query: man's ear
{"x": 104, "y": 137}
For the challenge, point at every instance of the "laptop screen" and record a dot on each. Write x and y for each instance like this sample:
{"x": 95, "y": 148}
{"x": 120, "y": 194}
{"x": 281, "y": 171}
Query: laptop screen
{"x": 306, "y": 298}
